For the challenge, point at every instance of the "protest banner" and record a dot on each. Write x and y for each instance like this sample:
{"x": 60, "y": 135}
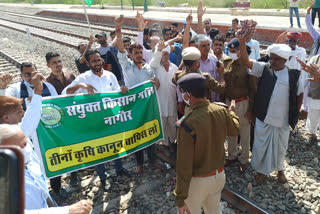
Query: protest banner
{"x": 80, "y": 131}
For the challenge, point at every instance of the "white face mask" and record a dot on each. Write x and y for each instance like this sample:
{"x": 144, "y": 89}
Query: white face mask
{"x": 27, "y": 84}
{"x": 186, "y": 101}
{"x": 233, "y": 56}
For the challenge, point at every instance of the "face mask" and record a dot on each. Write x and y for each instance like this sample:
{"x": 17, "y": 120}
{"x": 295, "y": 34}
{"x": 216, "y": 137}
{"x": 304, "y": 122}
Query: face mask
{"x": 27, "y": 152}
{"x": 27, "y": 84}
{"x": 233, "y": 56}
{"x": 186, "y": 101}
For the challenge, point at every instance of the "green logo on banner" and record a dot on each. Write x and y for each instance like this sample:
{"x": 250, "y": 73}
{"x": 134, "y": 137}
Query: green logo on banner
{"x": 51, "y": 116}
{"x": 88, "y": 2}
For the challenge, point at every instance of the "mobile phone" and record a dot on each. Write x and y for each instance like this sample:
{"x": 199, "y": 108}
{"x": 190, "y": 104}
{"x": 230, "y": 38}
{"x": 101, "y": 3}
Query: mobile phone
{"x": 218, "y": 64}
{"x": 11, "y": 180}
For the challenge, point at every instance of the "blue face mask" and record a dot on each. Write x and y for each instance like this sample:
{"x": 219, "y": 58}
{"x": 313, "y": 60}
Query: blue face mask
{"x": 27, "y": 84}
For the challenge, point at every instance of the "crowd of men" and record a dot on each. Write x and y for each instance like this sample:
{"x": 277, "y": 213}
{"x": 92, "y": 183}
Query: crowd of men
{"x": 214, "y": 89}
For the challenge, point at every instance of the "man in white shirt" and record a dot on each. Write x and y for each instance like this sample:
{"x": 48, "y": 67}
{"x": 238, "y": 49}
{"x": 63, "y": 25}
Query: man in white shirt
{"x": 24, "y": 89}
{"x": 97, "y": 80}
{"x": 277, "y": 103}
{"x": 36, "y": 190}
{"x": 165, "y": 71}
{"x": 11, "y": 112}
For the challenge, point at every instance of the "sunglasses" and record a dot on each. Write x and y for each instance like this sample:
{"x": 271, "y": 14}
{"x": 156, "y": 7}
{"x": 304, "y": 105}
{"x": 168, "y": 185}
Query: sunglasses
{"x": 27, "y": 74}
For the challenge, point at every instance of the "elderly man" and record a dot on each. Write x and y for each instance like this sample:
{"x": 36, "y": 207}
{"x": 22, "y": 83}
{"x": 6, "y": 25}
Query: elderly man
{"x": 136, "y": 72}
{"x": 209, "y": 62}
{"x": 97, "y": 80}
{"x": 207, "y": 26}
{"x": 277, "y": 104}
{"x": 200, "y": 157}
{"x": 165, "y": 71}
{"x": 36, "y": 190}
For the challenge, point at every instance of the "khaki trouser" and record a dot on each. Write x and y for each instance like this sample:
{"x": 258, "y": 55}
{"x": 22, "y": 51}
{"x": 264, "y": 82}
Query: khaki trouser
{"x": 240, "y": 110}
{"x": 206, "y": 193}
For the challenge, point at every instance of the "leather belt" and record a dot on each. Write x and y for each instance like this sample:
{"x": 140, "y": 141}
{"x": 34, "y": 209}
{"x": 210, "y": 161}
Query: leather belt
{"x": 211, "y": 173}
{"x": 241, "y": 99}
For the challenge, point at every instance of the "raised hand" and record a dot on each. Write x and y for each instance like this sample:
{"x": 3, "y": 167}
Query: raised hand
{"x": 162, "y": 45}
{"x": 200, "y": 10}
{"x": 37, "y": 82}
{"x": 312, "y": 69}
{"x": 5, "y": 79}
{"x": 189, "y": 18}
{"x": 91, "y": 39}
{"x": 118, "y": 21}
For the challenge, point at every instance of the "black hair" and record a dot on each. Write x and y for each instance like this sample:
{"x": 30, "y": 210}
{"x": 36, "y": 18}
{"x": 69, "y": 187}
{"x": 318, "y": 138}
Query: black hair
{"x": 146, "y": 31}
{"x": 188, "y": 63}
{"x": 112, "y": 33}
{"x": 126, "y": 39}
{"x": 235, "y": 20}
{"x": 248, "y": 49}
{"x": 230, "y": 32}
{"x": 219, "y": 38}
{"x": 213, "y": 33}
{"x": 50, "y": 55}
{"x": 165, "y": 30}
{"x": 27, "y": 65}
{"x": 174, "y": 24}
{"x": 90, "y": 52}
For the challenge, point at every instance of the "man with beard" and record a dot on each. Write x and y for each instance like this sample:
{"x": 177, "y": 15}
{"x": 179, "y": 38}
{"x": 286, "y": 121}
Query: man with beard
{"x": 97, "y": 80}
{"x": 207, "y": 26}
{"x": 59, "y": 79}
{"x": 109, "y": 55}
{"x": 218, "y": 46}
{"x": 135, "y": 72}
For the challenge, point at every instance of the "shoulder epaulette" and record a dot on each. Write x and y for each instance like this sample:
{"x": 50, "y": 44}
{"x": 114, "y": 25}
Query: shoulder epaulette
{"x": 221, "y": 104}
{"x": 180, "y": 123}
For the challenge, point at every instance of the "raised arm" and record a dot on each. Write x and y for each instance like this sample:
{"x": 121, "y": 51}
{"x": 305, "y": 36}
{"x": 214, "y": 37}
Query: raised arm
{"x": 118, "y": 21}
{"x": 186, "y": 35}
{"x": 200, "y": 13}
{"x": 155, "y": 61}
{"x": 312, "y": 31}
{"x": 244, "y": 54}
{"x": 91, "y": 41}
{"x": 5, "y": 79}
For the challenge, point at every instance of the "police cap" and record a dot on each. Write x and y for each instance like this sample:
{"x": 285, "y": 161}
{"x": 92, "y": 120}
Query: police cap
{"x": 192, "y": 82}
{"x": 234, "y": 43}
{"x": 191, "y": 53}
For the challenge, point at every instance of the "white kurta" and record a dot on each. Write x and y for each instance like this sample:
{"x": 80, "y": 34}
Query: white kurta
{"x": 167, "y": 98}
{"x": 106, "y": 83}
{"x": 271, "y": 135}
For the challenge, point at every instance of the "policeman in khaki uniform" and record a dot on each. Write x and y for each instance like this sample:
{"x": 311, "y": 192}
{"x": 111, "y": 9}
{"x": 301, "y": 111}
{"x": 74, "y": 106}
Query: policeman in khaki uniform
{"x": 200, "y": 157}
{"x": 191, "y": 59}
{"x": 241, "y": 87}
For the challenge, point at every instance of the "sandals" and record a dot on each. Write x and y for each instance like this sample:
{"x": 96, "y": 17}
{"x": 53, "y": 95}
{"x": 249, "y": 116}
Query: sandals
{"x": 281, "y": 177}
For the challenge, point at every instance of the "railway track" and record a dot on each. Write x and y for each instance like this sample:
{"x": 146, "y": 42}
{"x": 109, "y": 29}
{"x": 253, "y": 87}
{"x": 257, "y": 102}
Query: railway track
{"x": 232, "y": 197}
{"x": 101, "y": 27}
{"x": 9, "y": 63}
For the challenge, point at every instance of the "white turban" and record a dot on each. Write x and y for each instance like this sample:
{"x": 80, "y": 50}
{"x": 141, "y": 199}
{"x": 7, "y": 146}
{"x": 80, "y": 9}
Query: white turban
{"x": 282, "y": 50}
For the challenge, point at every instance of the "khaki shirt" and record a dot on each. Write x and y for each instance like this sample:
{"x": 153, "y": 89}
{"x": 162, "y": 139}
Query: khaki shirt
{"x": 238, "y": 82}
{"x": 211, "y": 83}
{"x": 201, "y": 145}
